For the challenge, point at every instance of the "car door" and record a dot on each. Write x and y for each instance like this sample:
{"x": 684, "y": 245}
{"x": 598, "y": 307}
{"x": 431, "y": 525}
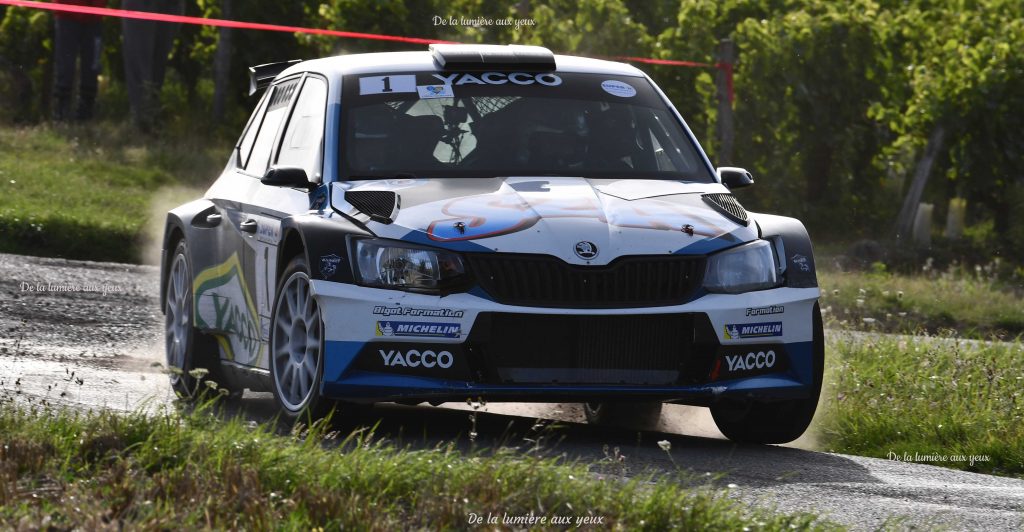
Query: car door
{"x": 226, "y": 302}
{"x": 299, "y": 145}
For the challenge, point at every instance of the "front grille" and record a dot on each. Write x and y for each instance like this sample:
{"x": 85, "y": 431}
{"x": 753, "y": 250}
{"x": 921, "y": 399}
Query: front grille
{"x": 728, "y": 205}
{"x": 532, "y": 348}
{"x": 546, "y": 281}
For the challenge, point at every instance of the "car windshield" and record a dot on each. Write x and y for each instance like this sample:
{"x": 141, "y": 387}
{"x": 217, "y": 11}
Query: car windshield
{"x": 483, "y": 124}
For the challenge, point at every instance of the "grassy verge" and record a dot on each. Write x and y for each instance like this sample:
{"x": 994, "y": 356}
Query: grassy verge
{"x": 60, "y": 469}
{"x": 85, "y": 192}
{"x": 972, "y": 304}
{"x": 932, "y": 400}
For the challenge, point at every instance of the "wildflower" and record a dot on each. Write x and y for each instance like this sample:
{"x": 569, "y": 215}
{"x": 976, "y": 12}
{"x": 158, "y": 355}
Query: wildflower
{"x": 199, "y": 373}
{"x": 211, "y": 385}
{"x": 868, "y": 321}
{"x": 665, "y": 445}
{"x": 860, "y": 302}
{"x": 899, "y": 294}
{"x": 835, "y": 292}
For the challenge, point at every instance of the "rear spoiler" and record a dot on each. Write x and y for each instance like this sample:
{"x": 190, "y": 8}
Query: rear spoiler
{"x": 260, "y": 76}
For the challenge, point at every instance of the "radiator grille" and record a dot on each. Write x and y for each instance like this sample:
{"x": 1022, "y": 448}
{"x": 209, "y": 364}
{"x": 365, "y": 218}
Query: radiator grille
{"x": 546, "y": 281}
{"x": 728, "y": 205}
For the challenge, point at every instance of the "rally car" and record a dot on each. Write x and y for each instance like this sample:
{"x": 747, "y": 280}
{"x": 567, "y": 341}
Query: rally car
{"x": 492, "y": 222}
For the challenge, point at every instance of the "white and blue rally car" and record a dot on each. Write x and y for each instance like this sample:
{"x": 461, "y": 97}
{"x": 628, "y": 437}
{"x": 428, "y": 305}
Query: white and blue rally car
{"x": 491, "y": 222}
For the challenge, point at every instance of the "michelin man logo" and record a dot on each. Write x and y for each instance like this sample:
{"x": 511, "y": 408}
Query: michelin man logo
{"x": 732, "y": 331}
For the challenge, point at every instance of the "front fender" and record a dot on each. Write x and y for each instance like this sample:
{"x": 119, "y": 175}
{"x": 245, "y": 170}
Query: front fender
{"x": 795, "y": 246}
{"x": 323, "y": 240}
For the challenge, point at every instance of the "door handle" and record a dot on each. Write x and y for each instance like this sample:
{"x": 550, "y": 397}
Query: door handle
{"x": 213, "y": 219}
{"x": 248, "y": 226}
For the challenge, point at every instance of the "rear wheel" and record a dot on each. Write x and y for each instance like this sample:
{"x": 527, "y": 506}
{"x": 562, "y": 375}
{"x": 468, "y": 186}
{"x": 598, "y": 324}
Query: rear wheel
{"x": 643, "y": 415}
{"x": 777, "y": 421}
{"x": 297, "y": 346}
{"x": 186, "y": 348}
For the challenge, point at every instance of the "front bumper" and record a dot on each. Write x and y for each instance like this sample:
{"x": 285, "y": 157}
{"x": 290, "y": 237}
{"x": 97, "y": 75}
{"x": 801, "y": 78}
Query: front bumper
{"x": 385, "y": 345}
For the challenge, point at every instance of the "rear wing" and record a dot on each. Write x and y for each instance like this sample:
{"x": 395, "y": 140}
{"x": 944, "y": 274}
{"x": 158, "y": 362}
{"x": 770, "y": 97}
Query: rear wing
{"x": 260, "y": 76}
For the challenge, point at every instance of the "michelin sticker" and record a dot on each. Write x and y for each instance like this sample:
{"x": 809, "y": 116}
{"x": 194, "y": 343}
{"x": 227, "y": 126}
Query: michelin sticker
{"x": 618, "y": 88}
{"x": 752, "y": 330}
{"x": 424, "y": 329}
{"x": 435, "y": 91}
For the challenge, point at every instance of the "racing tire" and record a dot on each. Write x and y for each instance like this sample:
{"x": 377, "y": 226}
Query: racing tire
{"x": 642, "y": 415}
{"x": 297, "y": 347}
{"x": 187, "y": 348}
{"x": 774, "y": 421}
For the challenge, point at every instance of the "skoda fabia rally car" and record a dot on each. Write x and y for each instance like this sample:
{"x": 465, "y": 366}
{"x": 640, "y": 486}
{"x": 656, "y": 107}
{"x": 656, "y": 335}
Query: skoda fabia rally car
{"x": 489, "y": 222}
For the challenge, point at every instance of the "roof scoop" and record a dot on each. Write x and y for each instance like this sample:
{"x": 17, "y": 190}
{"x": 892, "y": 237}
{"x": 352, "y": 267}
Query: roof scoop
{"x": 492, "y": 57}
{"x": 380, "y": 205}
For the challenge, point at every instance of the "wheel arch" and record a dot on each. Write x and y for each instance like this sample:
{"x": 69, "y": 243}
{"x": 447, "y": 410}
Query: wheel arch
{"x": 180, "y": 225}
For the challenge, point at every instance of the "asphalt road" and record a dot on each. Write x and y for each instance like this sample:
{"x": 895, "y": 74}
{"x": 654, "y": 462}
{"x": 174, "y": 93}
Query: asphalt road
{"x": 88, "y": 335}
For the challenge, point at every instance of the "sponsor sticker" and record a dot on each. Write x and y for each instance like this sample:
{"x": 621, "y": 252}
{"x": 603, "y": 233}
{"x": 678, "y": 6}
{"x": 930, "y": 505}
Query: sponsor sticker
{"x": 736, "y": 331}
{"x": 801, "y": 262}
{"x": 435, "y": 91}
{"x": 329, "y": 265}
{"x": 764, "y": 311}
{"x": 416, "y": 328}
{"x": 387, "y": 84}
{"x": 414, "y": 358}
{"x": 382, "y": 310}
{"x": 758, "y": 360}
{"x": 618, "y": 88}
{"x": 500, "y": 78}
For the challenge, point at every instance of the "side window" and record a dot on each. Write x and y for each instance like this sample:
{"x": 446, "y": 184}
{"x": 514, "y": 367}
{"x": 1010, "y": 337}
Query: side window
{"x": 277, "y": 108}
{"x": 245, "y": 143}
{"x": 300, "y": 146}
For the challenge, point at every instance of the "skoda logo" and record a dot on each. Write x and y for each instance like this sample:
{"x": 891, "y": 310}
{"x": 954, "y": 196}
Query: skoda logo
{"x": 586, "y": 250}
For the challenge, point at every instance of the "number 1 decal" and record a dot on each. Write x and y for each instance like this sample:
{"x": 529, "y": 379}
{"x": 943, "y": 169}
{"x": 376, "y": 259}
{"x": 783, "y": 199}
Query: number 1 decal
{"x": 387, "y": 84}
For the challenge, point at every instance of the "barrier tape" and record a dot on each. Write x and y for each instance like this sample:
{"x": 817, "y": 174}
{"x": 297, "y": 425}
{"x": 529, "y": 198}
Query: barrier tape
{"x": 224, "y": 23}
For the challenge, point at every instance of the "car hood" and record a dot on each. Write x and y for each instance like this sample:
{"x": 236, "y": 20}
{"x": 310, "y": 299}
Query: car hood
{"x": 551, "y": 215}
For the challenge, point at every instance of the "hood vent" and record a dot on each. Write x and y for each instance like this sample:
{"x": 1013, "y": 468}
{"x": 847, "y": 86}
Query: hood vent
{"x": 727, "y": 205}
{"x": 380, "y": 205}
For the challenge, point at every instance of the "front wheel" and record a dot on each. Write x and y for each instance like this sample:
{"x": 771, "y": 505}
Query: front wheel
{"x": 297, "y": 346}
{"x": 778, "y": 421}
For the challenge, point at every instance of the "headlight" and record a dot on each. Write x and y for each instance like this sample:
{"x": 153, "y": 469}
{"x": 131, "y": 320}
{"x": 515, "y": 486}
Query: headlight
{"x": 405, "y": 267}
{"x": 742, "y": 269}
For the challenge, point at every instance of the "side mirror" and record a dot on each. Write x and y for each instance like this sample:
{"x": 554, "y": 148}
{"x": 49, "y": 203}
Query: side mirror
{"x": 287, "y": 176}
{"x": 734, "y": 178}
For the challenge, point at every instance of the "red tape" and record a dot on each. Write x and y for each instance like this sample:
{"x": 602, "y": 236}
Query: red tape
{"x": 223, "y": 23}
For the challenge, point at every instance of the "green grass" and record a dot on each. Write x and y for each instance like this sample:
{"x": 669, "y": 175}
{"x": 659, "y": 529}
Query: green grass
{"x": 929, "y": 396}
{"x": 971, "y": 304}
{"x": 196, "y": 470}
{"x": 90, "y": 192}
